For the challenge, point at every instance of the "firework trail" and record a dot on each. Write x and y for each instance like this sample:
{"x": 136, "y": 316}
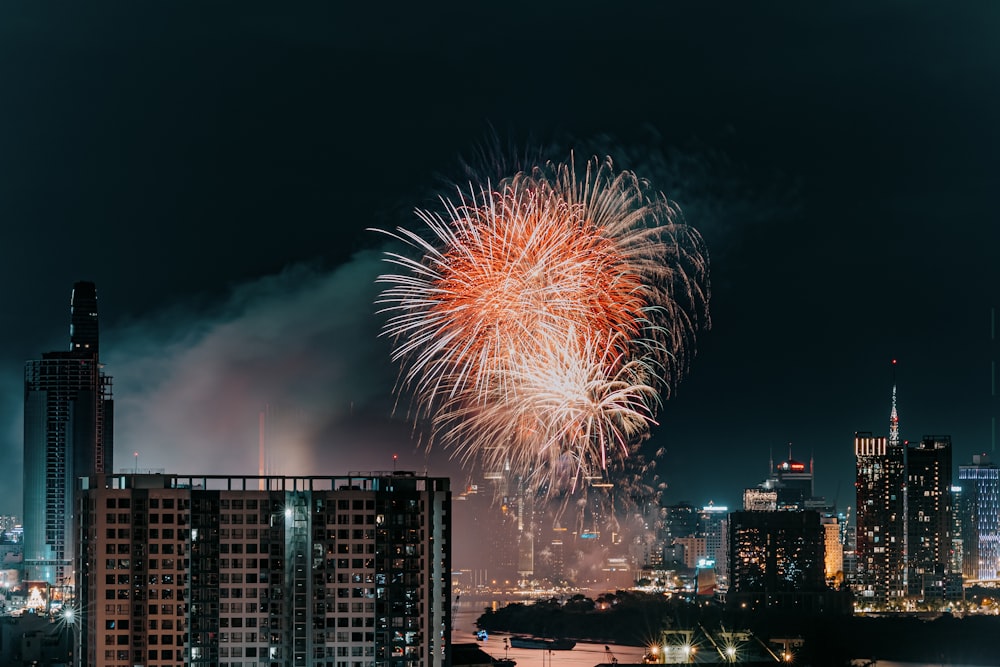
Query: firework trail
{"x": 545, "y": 317}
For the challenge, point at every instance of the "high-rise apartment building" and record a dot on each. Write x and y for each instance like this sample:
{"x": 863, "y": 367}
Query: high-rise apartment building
{"x": 980, "y": 517}
{"x": 928, "y": 516}
{"x": 349, "y": 571}
{"x": 880, "y": 549}
{"x": 777, "y": 559}
{"x": 68, "y": 427}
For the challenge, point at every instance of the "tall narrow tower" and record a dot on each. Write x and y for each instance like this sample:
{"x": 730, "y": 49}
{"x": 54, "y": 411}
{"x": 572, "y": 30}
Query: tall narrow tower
{"x": 881, "y": 513}
{"x": 68, "y": 423}
{"x": 929, "y": 516}
{"x": 893, "y": 415}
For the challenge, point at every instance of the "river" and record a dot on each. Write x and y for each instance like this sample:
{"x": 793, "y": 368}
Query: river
{"x": 464, "y": 617}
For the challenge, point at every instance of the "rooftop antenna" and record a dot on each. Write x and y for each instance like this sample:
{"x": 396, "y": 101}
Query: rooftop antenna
{"x": 893, "y": 415}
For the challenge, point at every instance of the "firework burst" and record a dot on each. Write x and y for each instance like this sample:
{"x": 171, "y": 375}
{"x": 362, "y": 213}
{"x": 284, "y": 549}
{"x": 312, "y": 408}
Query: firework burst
{"x": 545, "y": 317}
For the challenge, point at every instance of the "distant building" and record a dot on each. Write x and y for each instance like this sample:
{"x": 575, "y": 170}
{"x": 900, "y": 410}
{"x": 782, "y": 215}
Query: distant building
{"x": 714, "y": 522}
{"x": 758, "y": 499}
{"x": 680, "y": 520}
{"x": 68, "y": 424}
{"x": 881, "y": 520}
{"x": 928, "y": 517}
{"x": 957, "y": 547}
{"x": 778, "y": 561}
{"x": 349, "y": 571}
{"x": 793, "y": 481}
{"x": 789, "y": 486}
{"x": 694, "y": 550}
{"x": 980, "y": 516}
{"x": 833, "y": 550}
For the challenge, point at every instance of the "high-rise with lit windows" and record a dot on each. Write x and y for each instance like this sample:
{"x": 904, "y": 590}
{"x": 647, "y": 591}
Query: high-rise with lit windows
{"x": 349, "y": 571}
{"x": 880, "y": 577}
{"x": 928, "y": 516}
{"x": 777, "y": 560}
{"x": 68, "y": 427}
{"x": 980, "y": 517}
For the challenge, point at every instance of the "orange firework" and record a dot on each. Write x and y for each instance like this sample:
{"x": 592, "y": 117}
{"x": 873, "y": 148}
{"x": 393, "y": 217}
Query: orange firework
{"x": 545, "y": 317}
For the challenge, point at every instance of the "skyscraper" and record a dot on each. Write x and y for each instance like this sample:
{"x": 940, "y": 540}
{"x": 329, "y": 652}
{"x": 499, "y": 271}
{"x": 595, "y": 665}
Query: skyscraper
{"x": 881, "y": 520}
{"x": 928, "y": 516}
{"x": 68, "y": 433}
{"x": 347, "y": 571}
{"x": 789, "y": 486}
{"x": 980, "y": 512}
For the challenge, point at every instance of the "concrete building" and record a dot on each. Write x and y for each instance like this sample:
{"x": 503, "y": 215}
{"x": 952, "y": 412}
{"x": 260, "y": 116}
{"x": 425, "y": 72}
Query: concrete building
{"x": 349, "y": 571}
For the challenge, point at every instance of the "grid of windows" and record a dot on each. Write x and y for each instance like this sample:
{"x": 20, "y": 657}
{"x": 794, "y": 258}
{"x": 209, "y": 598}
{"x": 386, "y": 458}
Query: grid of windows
{"x": 340, "y": 576}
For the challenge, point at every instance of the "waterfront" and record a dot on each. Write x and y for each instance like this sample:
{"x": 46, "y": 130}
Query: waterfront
{"x": 584, "y": 654}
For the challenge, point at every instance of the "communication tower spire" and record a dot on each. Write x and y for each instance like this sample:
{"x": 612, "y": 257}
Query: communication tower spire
{"x": 893, "y": 416}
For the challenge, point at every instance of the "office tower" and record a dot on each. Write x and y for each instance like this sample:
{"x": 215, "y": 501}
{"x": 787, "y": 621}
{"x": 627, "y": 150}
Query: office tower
{"x": 68, "y": 427}
{"x": 980, "y": 512}
{"x": 777, "y": 559}
{"x": 793, "y": 481}
{"x": 881, "y": 520}
{"x": 789, "y": 486}
{"x": 928, "y": 516}
{"x": 349, "y": 571}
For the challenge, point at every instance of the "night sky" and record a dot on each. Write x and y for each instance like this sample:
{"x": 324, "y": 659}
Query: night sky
{"x": 215, "y": 169}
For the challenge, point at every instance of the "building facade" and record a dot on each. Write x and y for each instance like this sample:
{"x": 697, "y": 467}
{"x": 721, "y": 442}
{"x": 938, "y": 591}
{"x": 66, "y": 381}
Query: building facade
{"x": 68, "y": 433}
{"x": 833, "y": 550}
{"x": 980, "y": 518}
{"x": 349, "y": 571}
{"x": 714, "y": 525}
{"x": 880, "y": 548}
{"x": 928, "y": 517}
{"x": 778, "y": 560}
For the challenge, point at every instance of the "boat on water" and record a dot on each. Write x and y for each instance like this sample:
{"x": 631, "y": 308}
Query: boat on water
{"x": 520, "y": 641}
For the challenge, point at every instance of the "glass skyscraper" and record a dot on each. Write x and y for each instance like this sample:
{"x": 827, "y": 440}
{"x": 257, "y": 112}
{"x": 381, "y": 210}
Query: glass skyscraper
{"x": 68, "y": 424}
{"x": 980, "y": 508}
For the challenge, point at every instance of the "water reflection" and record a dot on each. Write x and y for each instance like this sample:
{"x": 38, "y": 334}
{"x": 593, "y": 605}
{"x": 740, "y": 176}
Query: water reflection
{"x": 464, "y": 617}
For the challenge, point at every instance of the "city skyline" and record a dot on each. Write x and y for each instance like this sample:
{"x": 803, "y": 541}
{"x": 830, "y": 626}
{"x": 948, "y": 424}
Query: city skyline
{"x": 209, "y": 177}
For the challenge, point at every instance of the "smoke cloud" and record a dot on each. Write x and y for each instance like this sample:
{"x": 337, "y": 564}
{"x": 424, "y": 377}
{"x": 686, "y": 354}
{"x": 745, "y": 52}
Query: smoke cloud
{"x": 301, "y": 347}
